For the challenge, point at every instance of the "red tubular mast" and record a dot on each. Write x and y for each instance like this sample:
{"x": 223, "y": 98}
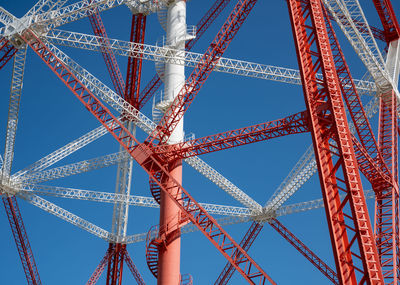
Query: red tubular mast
{"x": 351, "y": 232}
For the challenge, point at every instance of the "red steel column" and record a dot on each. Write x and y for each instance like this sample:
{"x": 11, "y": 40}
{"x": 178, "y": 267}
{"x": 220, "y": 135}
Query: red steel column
{"x": 169, "y": 252}
{"x": 387, "y": 200}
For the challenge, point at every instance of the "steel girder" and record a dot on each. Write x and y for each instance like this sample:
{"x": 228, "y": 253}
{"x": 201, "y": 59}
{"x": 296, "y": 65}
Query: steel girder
{"x": 387, "y": 200}
{"x": 348, "y": 220}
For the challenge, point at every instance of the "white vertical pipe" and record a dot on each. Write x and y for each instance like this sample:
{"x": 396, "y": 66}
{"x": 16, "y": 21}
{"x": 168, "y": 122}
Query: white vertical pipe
{"x": 175, "y": 74}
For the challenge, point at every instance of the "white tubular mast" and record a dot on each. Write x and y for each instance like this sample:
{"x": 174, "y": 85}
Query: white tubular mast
{"x": 74, "y": 168}
{"x": 363, "y": 42}
{"x": 189, "y": 59}
{"x": 15, "y": 97}
{"x": 63, "y": 152}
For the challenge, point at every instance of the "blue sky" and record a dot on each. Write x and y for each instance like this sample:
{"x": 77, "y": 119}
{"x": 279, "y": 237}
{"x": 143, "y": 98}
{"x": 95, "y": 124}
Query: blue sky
{"x": 50, "y": 117}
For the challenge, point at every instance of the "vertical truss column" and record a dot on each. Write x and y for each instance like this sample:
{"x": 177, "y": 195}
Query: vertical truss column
{"x": 348, "y": 220}
{"x": 169, "y": 255}
{"x": 124, "y": 171}
{"x": 123, "y": 187}
{"x": 134, "y": 71}
{"x": 115, "y": 263}
{"x": 387, "y": 200}
{"x": 13, "y": 110}
{"x": 21, "y": 240}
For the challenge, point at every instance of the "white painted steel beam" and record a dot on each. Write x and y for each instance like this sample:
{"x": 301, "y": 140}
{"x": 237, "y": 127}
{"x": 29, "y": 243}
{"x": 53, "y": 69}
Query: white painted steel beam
{"x": 82, "y": 9}
{"x": 133, "y": 200}
{"x": 13, "y": 110}
{"x": 346, "y": 13}
{"x": 66, "y": 216}
{"x": 74, "y": 168}
{"x": 63, "y": 152}
{"x": 189, "y": 59}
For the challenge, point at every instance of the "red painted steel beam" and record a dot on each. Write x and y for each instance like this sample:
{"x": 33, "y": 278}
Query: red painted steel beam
{"x": 248, "y": 268}
{"x": 371, "y": 170}
{"x": 376, "y": 173}
{"x": 294, "y": 124}
{"x": 201, "y": 72}
{"x": 304, "y": 250}
{"x": 387, "y": 200}
{"x": 7, "y": 51}
{"x": 245, "y": 243}
{"x": 100, "y": 268}
{"x": 348, "y": 219}
{"x": 388, "y": 18}
{"x": 134, "y": 69}
{"x": 201, "y": 26}
{"x": 134, "y": 270}
{"x": 115, "y": 263}
{"x": 21, "y": 240}
{"x": 252, "y": 234}
{"x": 108, "y": 55}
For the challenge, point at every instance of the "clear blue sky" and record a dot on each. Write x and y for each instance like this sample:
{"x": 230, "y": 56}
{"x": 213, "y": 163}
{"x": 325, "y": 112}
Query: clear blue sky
{"x": 51, "y": 116}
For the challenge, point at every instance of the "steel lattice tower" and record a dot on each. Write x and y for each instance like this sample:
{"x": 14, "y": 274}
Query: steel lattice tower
{"x": 350, "y": 151}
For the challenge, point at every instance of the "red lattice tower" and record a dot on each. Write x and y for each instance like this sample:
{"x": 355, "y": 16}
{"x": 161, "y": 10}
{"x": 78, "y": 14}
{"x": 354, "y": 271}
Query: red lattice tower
{"x": 344, "y": 146}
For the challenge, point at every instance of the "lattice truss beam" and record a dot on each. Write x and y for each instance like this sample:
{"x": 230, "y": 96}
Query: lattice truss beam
{"x": 24, "y": 178}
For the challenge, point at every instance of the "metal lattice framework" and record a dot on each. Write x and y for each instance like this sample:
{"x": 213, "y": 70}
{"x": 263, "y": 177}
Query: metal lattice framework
{"x": 345, "y": 144}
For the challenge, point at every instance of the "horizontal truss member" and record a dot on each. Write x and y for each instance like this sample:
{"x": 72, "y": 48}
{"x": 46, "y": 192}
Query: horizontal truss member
{"x": 190, "y": 59}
